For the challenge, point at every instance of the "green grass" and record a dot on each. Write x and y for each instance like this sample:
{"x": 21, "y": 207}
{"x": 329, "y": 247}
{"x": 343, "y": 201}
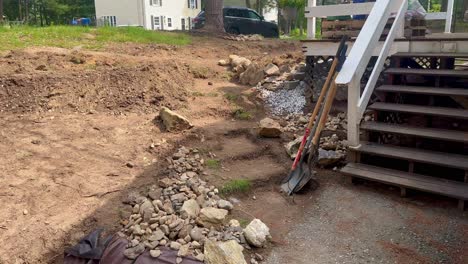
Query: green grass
{"x": 236, "y": 186}
{"x": 87, "y": 37}
{"x": 242, "y": 114}
{"x": 213, "y": 163}
{"x": 231, "y": 97}
{"x": 243, "y": 223}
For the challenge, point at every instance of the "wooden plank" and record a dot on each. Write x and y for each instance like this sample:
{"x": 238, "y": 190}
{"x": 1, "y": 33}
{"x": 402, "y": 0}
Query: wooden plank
{"x": 458, "y": 190}
{"x": 416, "y": 155}
{"x": 423, "y": 90}
{"x": 423, "y": 110}
{"x": 441, "y": 134}
{"x": 339, "y": 10}
{"x": 431, "y": 55}
{"x": 427, "y": 72}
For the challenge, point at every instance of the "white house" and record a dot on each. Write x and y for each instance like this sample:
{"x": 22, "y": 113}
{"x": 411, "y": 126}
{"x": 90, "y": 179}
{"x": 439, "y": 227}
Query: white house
{"x": 150, "y": 14}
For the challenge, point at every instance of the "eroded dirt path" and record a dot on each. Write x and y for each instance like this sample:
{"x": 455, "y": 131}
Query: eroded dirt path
{"x": 78, "y": 133}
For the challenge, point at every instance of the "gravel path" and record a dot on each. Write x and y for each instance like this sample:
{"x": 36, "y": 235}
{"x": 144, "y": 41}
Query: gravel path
{"x": 283, "y": 101}
{"x": 370, "y": 223}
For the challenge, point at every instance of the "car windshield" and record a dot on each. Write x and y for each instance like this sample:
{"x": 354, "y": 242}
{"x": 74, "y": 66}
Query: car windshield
{"x": 253, "y": 15}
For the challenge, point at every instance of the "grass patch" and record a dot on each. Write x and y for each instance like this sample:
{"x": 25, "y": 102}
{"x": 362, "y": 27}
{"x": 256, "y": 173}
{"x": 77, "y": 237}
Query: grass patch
{"x": 236, "y": 186}
{"x": 212, "y": 94}
{"x": 86, "y": 37}
{"x": 213, "y": 163}
{"x": 198, "y": 94}
{"x": 242, "y": 114}
{"x": 231, "y": 97}
{"x": 200, "y": 72}
{"x": 243, "y": 223}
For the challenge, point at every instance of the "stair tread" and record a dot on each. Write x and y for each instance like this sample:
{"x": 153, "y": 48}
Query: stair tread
{"x": 418, "y": 155}
{"x": 448, "y": 188}
{"x": 434, "y": 133}
{"x": 417, "y": 109}
{"x": 428, "y": 72}
{"x": 433, "y": 55}
{"x": 423, "y": 90}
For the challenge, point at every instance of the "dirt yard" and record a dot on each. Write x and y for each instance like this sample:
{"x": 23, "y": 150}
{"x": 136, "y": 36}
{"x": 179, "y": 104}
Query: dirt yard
{"x": 78, "y": 134}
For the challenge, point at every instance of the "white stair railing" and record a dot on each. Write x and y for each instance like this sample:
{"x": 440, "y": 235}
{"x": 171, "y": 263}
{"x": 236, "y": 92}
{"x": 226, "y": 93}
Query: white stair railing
{"x": 360, "y": 55}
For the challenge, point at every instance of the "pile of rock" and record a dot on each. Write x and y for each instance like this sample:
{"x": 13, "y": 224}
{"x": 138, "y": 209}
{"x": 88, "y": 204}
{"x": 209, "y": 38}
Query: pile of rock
{"x": 185, "y": 214}
{"x": 254, "y": 37}
{"x": 332, "y": 148}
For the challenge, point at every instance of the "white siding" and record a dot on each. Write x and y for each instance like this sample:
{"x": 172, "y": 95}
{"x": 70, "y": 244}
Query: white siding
{"x": 176, "y": 10}
{"x": 126, "y": 12}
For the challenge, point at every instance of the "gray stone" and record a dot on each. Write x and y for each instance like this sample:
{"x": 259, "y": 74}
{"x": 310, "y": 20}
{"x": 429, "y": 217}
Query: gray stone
{"x": 226, "y": 205}
{"x": 155, "y": 253}
{"x": 269, "y": 128}
{"x": 155, "y": 194}
{"x": 173, "y": 121}
{"x": 257, "y": 233}
{"x": 329, "y": 157}
{"x": 183, "y": 250}
{"x": 210, "y": 216}
{"x": 157, "y": 235}
{"x": 290, "y": 85}
{"x": 134, "y": 252}
{"x": 272, "y": 70}
{"x": 292, "y": 147}
{"x": 191, "y": 208}
{"x": 252, "y": 75}
{"x": 197, "y": 234}
{"x": 229, "y": 252}
{"x": 175, "y": 245}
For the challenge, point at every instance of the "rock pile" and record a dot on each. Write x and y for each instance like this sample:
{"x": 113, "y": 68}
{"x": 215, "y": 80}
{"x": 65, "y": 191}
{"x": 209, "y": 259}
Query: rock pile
{"x": 254, "y": 37}
{"x": 332, "y": 149}
{"x": 184, "y": 213}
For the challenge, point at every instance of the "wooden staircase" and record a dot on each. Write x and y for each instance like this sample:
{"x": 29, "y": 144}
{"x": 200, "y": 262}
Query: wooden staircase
{"x": 418, "y": 138}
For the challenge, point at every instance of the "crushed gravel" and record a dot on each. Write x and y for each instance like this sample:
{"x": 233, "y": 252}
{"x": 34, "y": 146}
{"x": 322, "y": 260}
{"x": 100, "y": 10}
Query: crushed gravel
{"x": 283, "y": 101}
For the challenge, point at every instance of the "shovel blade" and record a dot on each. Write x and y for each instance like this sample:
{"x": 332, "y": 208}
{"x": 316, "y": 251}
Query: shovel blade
{"x": 297, "y": 179}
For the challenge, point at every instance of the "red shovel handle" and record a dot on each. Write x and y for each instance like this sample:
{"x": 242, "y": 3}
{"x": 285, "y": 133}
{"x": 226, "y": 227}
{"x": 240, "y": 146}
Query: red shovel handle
{"x": 301, "y": 148}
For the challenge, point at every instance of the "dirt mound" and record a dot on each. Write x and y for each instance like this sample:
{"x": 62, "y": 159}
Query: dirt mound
{"x": 89, "y": 84}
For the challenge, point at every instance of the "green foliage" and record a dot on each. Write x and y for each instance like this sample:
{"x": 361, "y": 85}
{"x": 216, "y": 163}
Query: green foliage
{"x": 242, "y": 114}
{"x": 213, "y": 163}
{"x": 91, "y": 38}
{"x": 236, "y": 186}
{"x": 231, "y": 97}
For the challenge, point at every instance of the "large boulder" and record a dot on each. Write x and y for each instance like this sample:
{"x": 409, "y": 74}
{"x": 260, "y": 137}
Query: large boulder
{"x": 229, "y": 252}
{"x": 239, "y": 61}
{"x": 257, "y": 233}
{"x": 269, "y": 128}
{"x": 210, "y": 216}
{"x": 252, "y": 75}
{"x": 272, "y": 70}
{"x": 190, "y": 208}
{"x": 173, "y": 121}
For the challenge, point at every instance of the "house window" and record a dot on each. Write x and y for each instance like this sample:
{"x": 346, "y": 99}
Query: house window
{"x": 169, "y": 22}
{"x": 156, "y": 22}
{"x": 110, "y": 21}
{"x": 193, "y": 4}
{"x": 156, "y": 2}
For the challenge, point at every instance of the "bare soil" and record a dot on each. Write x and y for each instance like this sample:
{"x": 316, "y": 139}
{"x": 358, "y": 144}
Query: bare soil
{"x": 78, "y": 133}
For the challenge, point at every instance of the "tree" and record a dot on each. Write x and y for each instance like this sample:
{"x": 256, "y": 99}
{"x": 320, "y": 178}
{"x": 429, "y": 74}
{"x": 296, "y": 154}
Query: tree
{"x": 214, "y": 16}
{"x": 1, "y": 10}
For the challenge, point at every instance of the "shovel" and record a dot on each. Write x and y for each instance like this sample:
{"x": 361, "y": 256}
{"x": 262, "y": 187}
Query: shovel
{"x": 300, "y": 172}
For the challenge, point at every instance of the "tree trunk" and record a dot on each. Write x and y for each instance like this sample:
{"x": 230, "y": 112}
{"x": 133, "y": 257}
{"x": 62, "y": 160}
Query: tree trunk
{"x": 1, "y": 10}
{"x": 258, "y": 7}
{"x": 248, "y": 4}
{"x": 214, "y": 16}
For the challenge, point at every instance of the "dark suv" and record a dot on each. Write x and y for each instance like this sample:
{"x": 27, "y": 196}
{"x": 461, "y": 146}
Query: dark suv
{"x": 241, "y": 20}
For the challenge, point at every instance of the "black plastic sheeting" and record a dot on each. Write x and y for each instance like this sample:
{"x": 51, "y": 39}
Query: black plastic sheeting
{"x": 94, "y": 250}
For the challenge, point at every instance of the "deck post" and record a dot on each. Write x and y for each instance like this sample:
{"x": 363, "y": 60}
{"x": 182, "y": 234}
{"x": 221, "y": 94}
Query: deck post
{"x": 311, "y": 23}
{"x": 354, "y": 93}
{"x": 449, "y": 16}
